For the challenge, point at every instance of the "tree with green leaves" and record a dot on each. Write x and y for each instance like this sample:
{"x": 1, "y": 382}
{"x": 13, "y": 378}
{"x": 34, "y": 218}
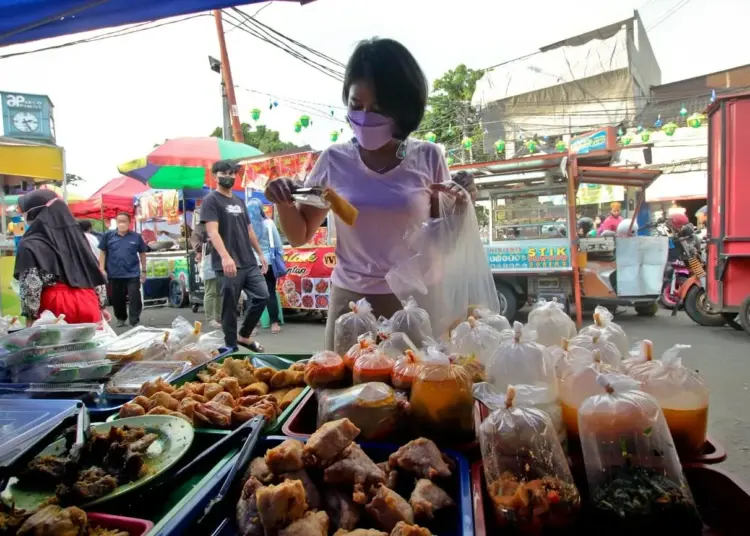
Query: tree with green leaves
{"x": 261, "y": 137}
{"x": 71, "y": 178}
{"x": 451, "y": 117}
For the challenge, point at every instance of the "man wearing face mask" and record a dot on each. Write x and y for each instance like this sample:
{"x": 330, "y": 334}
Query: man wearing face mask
{"x": 123, "y": 259}
{"x": 232, "y": 243}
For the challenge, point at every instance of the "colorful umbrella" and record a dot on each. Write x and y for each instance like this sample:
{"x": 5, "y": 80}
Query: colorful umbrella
{"x": 186, "y": 162}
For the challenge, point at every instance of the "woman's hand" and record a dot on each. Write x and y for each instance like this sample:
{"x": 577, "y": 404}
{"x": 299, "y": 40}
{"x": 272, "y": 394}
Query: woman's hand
{"x": 466, "y": 181}
{"x": 453, "y": 189}
{"x": 106, "y": 316}
{"x": 279, "y": 191}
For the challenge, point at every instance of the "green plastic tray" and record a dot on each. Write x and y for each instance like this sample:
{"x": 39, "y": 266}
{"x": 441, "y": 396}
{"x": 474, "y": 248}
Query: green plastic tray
{"x": 277, "y": 361}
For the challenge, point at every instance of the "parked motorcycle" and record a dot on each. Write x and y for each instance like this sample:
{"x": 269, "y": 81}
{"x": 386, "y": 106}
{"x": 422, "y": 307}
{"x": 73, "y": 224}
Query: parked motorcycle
{"x": 675, "y": 275}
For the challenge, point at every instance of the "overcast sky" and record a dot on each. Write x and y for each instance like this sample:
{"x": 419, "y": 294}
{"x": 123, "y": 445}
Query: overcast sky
{"x": 115, "y": 99}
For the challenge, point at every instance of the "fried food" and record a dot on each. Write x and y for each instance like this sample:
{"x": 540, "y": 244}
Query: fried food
{"x": 330, "y": 440}
{"x": 181, "y": 393}
{"x": 213, "y": 414}
{"x": 232, "y": 386}
{"x": 391, "y": 474}
{"x": 404, "y": 529}
{"x": 289, "y": 397}
{"x": 257, "y": 388}
{"x": 130, "y": 409}
{"x": 152, "y": 387}
{"x": 287, "y": 378}
{"x": 211, "y": 390}
{"x": 187, "y": 407}
{"x": 253, "y": 399}
{"x": 264, "y": 374}
{"x": 260, "y": 471}
{"x": 297, "y": 367}
{"x": 248, "y": 519}
{"x": 45, "y": 471}
{"x": 387, "y": 508}
{"x": 354, "y": 467}
{"x": 360, "y": 532}
{"x": 314, "y": 501}
{"x": 240, "y": 369}
{"x": 285, "y": 458}
{"x": 198, "y": 398}
{"x": 342, "y": 511}
{"x": 427, "y": 498}
{"x": 224, "y": 398}
{"x": 164, "y": 411}
{"x": 92, "y": 484}
{"x": 164, "y": 400}
{"x": 55, "y": 521}
{"x": 142, "y": 401}
{"x": 421, "y": 457}
{"x": 312, "y": 524}
{"x": 279, "y": 394}
{"x": 279, "y": 506}
{"x": 196, "y": 387}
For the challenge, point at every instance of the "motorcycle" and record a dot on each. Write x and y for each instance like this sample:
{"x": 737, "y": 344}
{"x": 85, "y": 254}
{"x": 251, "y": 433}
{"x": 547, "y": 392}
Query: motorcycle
{"x": 675, "y": 276}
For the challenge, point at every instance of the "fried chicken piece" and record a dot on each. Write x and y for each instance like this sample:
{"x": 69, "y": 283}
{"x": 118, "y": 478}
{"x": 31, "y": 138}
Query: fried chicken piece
{"x": 164, "y": 400}
{"x": 187, "y": 407}
{"x": 257, "y": 388}
{"x": 181, "y": 393}
{"x": 91, "y": 484}
{"x": 264, "y": 374}
{"x": 391, "y": 474}
{"x": 330, "y": 440}
{"x": 421, "y": 457}
{"x": 360, "y": 532}
{"x": 196, "y": 388}
{"x": 285, "y": 458}
{"x": 404, "y": 529}
{"x": 280, "y": 505}
{"x": 289, "y": 398}
{"x": 243, "y": 414}
{"x": 231, "y": 386}
{"x": 314, "y": 501}
{"x": 312, "y": 524}
{"x": 198, "y": 398}
{"x": 354, "y": 467}
{"x": 240, "y": 369}
{"x": 142, "y": 401}
{"x": 427, "y": 498}
{"x": 297, "y": 367}
{"x": 150, "y": 388}
{"x": 44, "y": 471}
{"x": 224, "y": 398}
{"x": 211, "y": 390}
{"x": 129, "y": 409}
{"x": 213, "y": 414}
{"x": 287, "y": 378}
{"x": 251, "y": 400}
{"x": 213, "y": 367}
{"x": 160, "y": 410}
{"x": 387, "y": 508}
{"x": 248, "y": 519}
{"x": 342, "y": 511}
{"x": 55, "y": 521}
{"x": 206, "y": 376}
{"x": 259, "y": 470}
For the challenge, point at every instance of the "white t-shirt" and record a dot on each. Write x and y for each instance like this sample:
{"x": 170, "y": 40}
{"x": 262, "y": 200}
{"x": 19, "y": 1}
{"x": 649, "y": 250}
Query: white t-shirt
{"x": 94, "y": 243}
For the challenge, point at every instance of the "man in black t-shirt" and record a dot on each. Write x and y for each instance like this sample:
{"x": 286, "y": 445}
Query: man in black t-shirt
{"x": 235, "y": 264}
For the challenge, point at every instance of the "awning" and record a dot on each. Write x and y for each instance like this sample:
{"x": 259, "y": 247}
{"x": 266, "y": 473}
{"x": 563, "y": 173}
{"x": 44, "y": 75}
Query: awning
{"x": 679, "y": 186}
{"x": 25, "y": 160}
{"x": 115, "y": 196}
{"x": 642, "y": 178}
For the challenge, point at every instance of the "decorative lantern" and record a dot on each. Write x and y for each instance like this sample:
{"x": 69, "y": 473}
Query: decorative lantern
{"x": 531, "y": 145}
{"x": 639, "y": 129}
{"x": 560, "y": 146}
{"x": 334, "y": 136}
{"x": 298, "y": 126}
{"x": 500, "y": 146}
{"x": 645, "y": 136}
{"x": 695, "y": 120}
{"x": 255, "y": 114}
{"x": 467, "y": 143}
{"x": 449, "y": 160}
{"x": 305, "y": 121}
{"x": 431, "y": 137}
{"x": 658, "y": 123}
{"x": 626, "y": 140}
{"x": 683, "y": 111}
{"x": 669, "y": 129}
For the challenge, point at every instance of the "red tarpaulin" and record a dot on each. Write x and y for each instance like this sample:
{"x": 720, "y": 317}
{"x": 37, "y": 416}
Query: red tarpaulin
{"x": 115, "y": 196}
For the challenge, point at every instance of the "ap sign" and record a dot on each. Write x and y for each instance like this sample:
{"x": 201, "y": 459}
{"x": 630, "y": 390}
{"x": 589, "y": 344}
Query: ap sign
{"x": 27, "y": 116}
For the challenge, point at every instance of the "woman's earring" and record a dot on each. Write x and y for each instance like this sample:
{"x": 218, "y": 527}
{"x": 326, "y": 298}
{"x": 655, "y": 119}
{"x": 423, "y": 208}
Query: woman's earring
{"x": 401, "y": 151}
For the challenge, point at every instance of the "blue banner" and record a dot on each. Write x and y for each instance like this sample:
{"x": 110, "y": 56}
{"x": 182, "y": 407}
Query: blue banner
{"x": 531, "y": 256}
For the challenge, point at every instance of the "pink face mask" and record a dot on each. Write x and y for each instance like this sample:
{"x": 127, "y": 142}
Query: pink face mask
{"x": 371, "y": 129}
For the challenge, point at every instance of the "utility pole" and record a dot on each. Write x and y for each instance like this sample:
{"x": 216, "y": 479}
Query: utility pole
{"x": 226, "y": 74}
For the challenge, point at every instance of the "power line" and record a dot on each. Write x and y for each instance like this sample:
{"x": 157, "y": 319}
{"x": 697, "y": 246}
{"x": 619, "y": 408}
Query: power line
{"x": 670, "y": 12}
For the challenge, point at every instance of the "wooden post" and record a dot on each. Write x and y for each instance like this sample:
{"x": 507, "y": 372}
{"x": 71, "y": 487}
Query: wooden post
{"x": 226, "y": 73}
{"x": 572, "y": 174}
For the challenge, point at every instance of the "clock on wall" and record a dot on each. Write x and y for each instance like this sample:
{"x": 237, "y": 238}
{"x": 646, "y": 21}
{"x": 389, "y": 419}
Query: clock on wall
{"x": 27, "y": 116}
{"x": 25, "y": 122}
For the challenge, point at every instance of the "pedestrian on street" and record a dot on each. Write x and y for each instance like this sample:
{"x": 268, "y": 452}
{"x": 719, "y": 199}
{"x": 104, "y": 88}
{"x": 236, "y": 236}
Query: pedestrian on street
{"x": 233, "y": 242}
{"x": 123, "y": 258}
{"x": 614, "y": 218}
{"x": 54, "y": 266}
{"x": 90, "y": 237}
{"x": 270, "y": 242}
{"x": 203, "y": 258}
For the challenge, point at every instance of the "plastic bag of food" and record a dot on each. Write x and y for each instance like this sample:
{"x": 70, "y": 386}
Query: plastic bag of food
{"x": 413, "y": 321}
{"x": 609, "y": 330}
{"x": 551, "y": 322}
{"x": 634, "y": 475}
{"x": 560, "y": 357}
{"x": 475, "y": 339}
{"x": 441, "y": 399}
{"x": 521, "y": 360}
{"x": 593, "y": 340}
{"x": 364, "y": 345}
{"x": 405, "y": 370}
{"x": 324, "y": 369}
{"x": 491, "y": 318}
{"x": 211, "y": 342}
{"x": 9, "y": 323}
{"x": 193, "y": 354}
{"x": 375, "y": 408}
{"x": 642, "y": 351}
{"x": 526, "y": 471}
{"x": 393, "y": 343}
{"x": 183, "y": 333}
{"x": 350, "y": 326}
{"x": 682, "y": 395}
{"x": 375, "y": 366}
{"x": 48, "y": 318}
{"x": 446, "y": 271}
{"x": 526, "y": 396}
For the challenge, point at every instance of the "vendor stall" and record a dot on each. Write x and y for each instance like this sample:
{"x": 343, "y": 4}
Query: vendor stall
{"x": 114, "y": 197}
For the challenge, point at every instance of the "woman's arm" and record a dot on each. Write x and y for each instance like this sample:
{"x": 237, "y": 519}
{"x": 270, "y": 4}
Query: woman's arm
{"x": 101, "y": 292}
{"x": 300, "y": 222}
{"x": 31, "y": 284}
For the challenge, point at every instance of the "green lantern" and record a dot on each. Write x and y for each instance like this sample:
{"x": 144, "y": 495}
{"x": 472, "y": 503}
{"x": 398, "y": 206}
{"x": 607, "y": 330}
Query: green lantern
{"x": 449, "y": 160}
{"x": 305, "y": 121}
{"x": 695, "y": 120}
{"x": 645, "y": 136}
{"x": 450, "y": 131}
{"x": 669, "y": 129}
{"x": 298, "y": 126}
{"x": 625, "y": 140}
{"x": 255, "y": 114}
{"x": 500, "y": 146}
{"x": 560, "y": 146}
{"x": 683, "y": 111}
{"x": 467, "y": 143}
{"x": 431, "y": 137}
{"x": 531, "y": 145}
{"x": 334, "y": 136}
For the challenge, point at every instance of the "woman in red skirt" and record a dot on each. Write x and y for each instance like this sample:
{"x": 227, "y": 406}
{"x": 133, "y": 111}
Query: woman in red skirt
{"x": 55, "y": 268}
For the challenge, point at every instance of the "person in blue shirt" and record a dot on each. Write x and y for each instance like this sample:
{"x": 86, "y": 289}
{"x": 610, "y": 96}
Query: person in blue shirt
{"x": 123, "y": 259}
{"x": 270, "y": 242}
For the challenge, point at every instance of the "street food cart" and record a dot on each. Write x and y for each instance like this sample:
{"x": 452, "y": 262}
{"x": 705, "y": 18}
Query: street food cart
{"x": 533, "y": 248}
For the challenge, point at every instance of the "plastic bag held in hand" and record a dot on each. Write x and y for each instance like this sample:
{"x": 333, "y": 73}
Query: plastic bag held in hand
{"x": 475, "y": 339}
{"x": 611, "y": 331}
{"x": 551, "y": 322}
{"x": 413, "y": 321}
{"x": 520, "y": 360}
{"x": 447, "y": 272}
{"x": 351, "y": 325}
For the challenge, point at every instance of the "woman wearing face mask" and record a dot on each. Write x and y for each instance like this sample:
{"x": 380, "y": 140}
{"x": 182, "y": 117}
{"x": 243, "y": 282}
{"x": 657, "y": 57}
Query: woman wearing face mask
{"x": 390, "y": 179}
{"x": 54, "y": 265}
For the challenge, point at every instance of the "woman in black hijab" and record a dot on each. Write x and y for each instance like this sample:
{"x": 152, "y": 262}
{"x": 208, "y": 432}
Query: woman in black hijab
{"x": 54, "y": 264}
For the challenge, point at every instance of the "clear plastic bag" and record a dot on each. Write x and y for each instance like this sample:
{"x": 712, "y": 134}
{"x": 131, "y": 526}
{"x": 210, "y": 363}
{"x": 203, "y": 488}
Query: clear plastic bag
{"x": 413, "y": 321}
{"x": 48, "y": 318}
{"x": 448, "y": 273}
{"x": 350, "y": 326}
{"x": 551, "y": 322}
{"x": 521, "y": 360}
{"x": 609, "y": 330}
{"x": 394, "y": 344}
{"x": 364, "y": 345}
{"x": 442, "y": 402}
{"x": 491, "y": 318}
{"x": 561, "y": 357}
{"x": 183, "y": 333}
{"x": 193, "y": 354}
{"x": 373, "y": 366}
{"x": 642, "y": 351}
{"x": 634, "y": 474}
{"x": 405, "y": 370}
{"x": 682, "y": 394}
{"x": 324, "y": 369}
{"x": 211, "y": 342}
{"x": 526, "y": 471}
{"x": 375, "y": 408}
{"x": 594, "y": 340}
{"x": 475, "y": 339}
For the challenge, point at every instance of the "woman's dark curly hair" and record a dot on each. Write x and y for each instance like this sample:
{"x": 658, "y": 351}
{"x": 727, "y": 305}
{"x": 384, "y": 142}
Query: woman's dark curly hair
{"x": 397, "y": 79}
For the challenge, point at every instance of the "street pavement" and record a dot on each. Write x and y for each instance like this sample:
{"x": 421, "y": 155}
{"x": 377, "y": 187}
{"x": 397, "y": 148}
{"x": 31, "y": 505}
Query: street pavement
{"x": 722, "y": 356}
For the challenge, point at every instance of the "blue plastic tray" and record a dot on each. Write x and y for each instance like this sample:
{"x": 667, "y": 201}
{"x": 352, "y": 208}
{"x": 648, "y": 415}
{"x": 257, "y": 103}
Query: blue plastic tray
{"x": 460, "y": 490}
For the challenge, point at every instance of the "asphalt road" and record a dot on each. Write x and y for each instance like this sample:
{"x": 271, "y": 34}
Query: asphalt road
{"x": 722, "y": 355}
